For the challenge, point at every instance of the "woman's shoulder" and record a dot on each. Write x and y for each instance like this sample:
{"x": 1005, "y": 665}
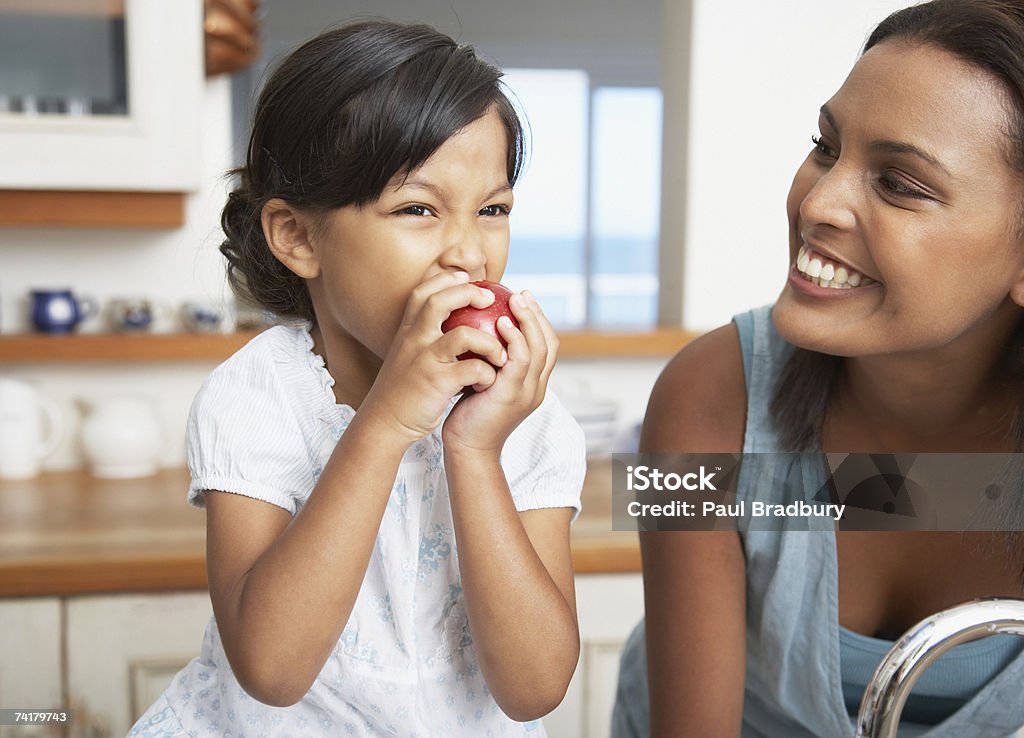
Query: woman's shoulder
{"x": 699, "y": 401}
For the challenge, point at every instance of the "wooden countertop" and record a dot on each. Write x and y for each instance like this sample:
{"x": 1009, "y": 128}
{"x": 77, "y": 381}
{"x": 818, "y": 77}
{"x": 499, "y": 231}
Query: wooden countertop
{"x": 66, "y": 533}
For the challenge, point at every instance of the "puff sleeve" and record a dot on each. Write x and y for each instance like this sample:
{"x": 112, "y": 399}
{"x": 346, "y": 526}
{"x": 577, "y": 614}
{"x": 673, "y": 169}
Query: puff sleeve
{"x": 243, "y": 436}
{"x": 545, "y": 459}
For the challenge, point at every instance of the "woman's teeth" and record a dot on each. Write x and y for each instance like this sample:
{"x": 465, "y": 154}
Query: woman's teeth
{"x": 817, "y": 269}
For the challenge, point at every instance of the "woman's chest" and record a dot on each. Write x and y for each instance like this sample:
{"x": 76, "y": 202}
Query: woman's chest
{"x": 888, "y": 581}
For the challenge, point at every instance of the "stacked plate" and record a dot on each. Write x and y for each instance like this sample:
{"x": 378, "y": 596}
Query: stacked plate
{"x": 598, "y": 418}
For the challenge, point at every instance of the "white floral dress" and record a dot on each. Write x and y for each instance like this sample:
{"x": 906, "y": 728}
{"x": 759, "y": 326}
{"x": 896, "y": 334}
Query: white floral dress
{"x": 263, "y": 425}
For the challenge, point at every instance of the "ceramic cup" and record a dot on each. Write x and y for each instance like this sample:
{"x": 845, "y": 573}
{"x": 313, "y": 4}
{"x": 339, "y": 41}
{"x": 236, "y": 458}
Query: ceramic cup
{"x": 134, "y": 314}
{"x": 204, "y": 317}
{"x": 59, "y": 311}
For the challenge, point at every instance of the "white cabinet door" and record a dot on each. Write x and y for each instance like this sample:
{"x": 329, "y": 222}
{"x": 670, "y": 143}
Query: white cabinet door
{"x": 122, "y": 651}
{"x": 609, "y": 606}
{"x": 30, "y": 661}
{"x": 154, "y": 147}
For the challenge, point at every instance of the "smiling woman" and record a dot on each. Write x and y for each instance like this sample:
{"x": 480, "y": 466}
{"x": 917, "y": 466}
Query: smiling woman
{"x": 898, "y": 330}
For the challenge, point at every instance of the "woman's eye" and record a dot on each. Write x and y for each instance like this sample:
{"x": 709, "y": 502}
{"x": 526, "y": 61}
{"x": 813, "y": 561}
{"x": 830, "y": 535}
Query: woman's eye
{"x": 898, "y": 186}
{"x": 493, "y": 210}
{"x": 415, "y": 210}
{"x": 823, "y": 149}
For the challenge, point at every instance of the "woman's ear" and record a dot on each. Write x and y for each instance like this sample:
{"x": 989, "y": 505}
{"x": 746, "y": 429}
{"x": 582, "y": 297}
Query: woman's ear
{"x": 287, "y": 233}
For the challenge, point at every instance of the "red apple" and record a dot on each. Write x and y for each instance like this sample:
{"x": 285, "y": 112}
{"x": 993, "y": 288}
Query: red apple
{"x": 484, "y": 319}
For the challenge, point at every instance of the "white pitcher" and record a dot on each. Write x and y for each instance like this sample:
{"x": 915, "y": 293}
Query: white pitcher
{"x": 122, "y": 437}
{"x": 23, "y": 443}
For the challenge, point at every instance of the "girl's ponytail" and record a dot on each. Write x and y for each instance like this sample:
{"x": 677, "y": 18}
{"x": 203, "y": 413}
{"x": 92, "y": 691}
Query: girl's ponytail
{"x": 255, "y": 276}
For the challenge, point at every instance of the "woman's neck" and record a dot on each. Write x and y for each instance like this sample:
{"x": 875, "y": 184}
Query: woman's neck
{"x": 919, "y": 406}
{"x": 953, "y": 399}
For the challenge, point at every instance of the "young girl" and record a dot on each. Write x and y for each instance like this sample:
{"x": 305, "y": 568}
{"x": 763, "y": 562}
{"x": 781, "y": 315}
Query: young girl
{"x": 386, "y": 555}
{"x": 898, "y": 330}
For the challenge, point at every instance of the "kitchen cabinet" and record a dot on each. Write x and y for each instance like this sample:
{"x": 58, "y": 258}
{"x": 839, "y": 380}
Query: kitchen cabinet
{"x": 101, "y": 95}
{"x": 30, "y": 661}
{"x": 122, "y": 652}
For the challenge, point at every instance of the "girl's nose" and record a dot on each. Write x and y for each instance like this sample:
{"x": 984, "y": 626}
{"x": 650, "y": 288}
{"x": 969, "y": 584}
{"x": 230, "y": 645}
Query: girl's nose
{"x": 831, "y": 200}
{"x": 464, "y": 249}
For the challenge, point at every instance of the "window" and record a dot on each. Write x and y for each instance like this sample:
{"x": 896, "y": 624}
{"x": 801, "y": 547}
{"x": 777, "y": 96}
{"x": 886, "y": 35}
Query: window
{"x": 585, "y": 225}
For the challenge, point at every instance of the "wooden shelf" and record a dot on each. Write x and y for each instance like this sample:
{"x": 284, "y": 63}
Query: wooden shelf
{"x": 99, "y": 209}
{"x": 101, "y": 8}
{"x": 606, "y": 344}
{"x": 39, "y": 348}
{"x": 118, "y": 347}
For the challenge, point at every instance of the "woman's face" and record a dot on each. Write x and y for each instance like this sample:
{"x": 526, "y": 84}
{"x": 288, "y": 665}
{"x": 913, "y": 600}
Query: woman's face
{"x": 906, "y": 214}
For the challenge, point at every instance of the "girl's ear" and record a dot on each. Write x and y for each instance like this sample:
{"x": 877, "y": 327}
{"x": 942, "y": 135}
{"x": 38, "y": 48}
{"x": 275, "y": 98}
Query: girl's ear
{"x": 287, "y": 233}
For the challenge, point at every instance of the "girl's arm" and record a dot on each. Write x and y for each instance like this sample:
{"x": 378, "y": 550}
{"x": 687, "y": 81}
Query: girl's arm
{"x": 516, "y": 567}
{"x": 695, "y": 582}
{"x": 518, "y": 582}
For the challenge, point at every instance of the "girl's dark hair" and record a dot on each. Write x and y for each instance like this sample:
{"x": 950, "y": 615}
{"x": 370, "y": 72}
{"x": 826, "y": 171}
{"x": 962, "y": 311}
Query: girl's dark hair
{"x": 989, "y": 35}
{"x": 336, "y": 121}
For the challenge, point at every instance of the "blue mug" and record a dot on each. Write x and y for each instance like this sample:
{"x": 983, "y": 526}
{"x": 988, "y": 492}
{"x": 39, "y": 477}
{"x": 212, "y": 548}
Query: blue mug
{"x": 59, "y": 311}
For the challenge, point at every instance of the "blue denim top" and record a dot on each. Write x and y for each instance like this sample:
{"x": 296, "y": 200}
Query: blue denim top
{"x": 804, "y": 671}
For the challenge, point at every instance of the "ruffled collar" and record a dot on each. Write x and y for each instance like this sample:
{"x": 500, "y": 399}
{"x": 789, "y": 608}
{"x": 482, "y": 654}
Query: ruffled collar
{"x": 330, "y": 409}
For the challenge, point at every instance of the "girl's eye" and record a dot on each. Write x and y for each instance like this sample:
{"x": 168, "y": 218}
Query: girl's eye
{"x": 822, "y": 149}
{"x": 415, "y": 210}
{"x": 898, "y": 186}
{"x": 493, "y": 210}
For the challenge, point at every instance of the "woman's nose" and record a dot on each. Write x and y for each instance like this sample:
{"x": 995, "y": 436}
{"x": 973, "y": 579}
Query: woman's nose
{"x": 831, "y": 199}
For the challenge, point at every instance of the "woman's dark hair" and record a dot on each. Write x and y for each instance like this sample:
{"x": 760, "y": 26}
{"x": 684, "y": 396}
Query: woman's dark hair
{"x": 989, "y": 35}
{"x": 336, "y": 121}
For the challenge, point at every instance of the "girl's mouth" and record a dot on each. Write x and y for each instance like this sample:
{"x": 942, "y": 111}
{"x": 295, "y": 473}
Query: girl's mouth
{"x": 826, "y": 272}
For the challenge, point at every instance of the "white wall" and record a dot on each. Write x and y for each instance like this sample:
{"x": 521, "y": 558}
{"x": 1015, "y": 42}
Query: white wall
{"x": 759, "y": 72}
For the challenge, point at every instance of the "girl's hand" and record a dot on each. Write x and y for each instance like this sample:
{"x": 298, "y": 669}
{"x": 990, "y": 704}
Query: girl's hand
{"x": 483, "y": 420}
{"x": 421, "y": 372}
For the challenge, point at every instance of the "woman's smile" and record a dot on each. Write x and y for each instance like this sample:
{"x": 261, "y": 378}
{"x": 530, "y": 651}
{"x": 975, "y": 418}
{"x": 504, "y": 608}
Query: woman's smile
{"x": 824, "y": 271}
